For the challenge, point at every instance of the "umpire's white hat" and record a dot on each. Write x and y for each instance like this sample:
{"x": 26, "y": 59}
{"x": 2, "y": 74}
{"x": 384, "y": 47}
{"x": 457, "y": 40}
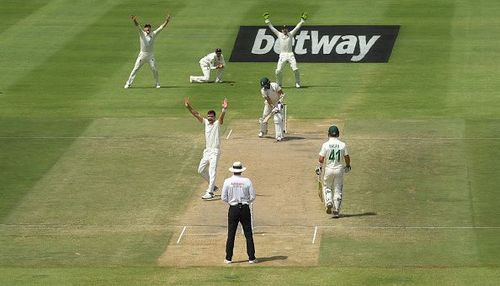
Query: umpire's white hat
{"x": 237, "y": 167}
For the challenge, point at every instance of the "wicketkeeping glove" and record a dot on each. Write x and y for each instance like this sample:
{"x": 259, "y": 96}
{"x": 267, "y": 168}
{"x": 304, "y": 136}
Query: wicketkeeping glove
{"x": 318, "y": 170}
{"x": 304, "y": 16}
{"x": 347, "y": 169}
{"x": 265, "y": 15}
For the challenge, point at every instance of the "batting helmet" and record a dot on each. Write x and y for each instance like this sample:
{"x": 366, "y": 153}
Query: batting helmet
{"x": 333, "y": 131}
{"x": 265, "y": 83}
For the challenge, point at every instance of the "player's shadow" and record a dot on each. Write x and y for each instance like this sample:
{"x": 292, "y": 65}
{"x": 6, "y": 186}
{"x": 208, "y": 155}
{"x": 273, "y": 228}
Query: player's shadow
{"x": 162, "y": 87}
{"x": 291, "y": 137}
{"x": 265, "y": 259}
{"x": 360, "y": 214}
{"x": 226, "y": 82}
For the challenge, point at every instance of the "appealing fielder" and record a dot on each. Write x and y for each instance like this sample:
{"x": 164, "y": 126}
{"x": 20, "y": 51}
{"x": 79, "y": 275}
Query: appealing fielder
{"x": 285, "y": 39}
{"x": 147, "y": 39}
{"x": 208, "y": 163}
{"x": 336, "y": 164}
{"x": 273, "y": 103}
{"x": 210, "y": 62}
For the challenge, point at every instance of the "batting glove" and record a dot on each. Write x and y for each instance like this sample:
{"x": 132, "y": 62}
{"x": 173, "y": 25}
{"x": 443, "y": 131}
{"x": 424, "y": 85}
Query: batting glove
{"x": 318, "y": 170}
{"x": 347, "y": 169}
{"x": 265, "y": 15}
{"x": 275, "y": 110}
{"x": 304, "y": 16}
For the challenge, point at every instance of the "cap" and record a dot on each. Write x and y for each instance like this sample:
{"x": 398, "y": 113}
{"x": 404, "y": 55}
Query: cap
{"x": 264, "y": 82}
{"x": 333, "y": 131}
{"x": 218, "y": 50}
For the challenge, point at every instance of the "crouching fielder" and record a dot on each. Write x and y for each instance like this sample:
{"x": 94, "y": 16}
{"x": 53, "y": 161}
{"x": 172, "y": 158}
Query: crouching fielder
{"x": 335, "y": 157}
{"x": 209, "y": 62}
{"x": 273, "y": 104}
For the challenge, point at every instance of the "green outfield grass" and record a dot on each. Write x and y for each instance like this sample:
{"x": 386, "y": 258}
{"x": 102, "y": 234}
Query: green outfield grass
{"x": 92, "y": 175}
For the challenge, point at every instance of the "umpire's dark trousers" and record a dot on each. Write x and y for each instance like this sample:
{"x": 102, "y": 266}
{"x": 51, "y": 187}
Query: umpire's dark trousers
{"x": 239, "y": 213}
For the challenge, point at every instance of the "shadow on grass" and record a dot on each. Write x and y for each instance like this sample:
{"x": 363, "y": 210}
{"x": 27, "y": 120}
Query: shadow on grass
{"x": 360, "y": 214}
{"x": 265, "y": 259}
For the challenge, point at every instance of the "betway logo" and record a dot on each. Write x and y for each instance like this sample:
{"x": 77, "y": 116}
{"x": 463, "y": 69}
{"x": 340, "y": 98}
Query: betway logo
{"x": 343, "y": 44}
{"x": 318, "y": 44}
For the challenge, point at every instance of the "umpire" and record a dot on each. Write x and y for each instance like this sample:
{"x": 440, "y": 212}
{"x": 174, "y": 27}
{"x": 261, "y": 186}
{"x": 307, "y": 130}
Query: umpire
{"x": 238, "y": 192}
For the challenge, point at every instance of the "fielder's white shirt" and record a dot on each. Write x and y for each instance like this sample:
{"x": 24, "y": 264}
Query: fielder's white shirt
{"x": 334, "y": 151}
{"x": 147, "y": 41}
{"x": 238, "y": 190}
{"x": 212, "y": 60}
{"x": 285, "y": 41}
{"x": 272, "y": 92}
{"x": 212, "y": 134}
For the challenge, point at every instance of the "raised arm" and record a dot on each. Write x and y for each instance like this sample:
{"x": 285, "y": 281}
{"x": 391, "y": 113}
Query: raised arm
{"x": 223, "y": 112}
{"x": 138, "y": 26}
{"x": 195, "y": 113}
{"x": 163, "y": 25}
{"x": 134, "y": 19}
{"x": 294, "y": 31}
{"x": 269, "y": 24}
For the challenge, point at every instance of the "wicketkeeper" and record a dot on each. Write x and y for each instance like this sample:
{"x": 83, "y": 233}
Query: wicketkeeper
{"x": 285, "y": 39}
{"x": 273, "y": 106}
{"x": 336, "y": 164}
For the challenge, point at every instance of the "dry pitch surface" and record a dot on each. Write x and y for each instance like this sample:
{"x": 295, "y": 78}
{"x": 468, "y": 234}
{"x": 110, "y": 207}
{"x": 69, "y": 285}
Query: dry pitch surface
{"x": 286, "y": 211}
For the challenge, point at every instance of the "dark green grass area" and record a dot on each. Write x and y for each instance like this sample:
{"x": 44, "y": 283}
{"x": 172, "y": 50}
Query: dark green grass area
{"x": 28, "y": 151}
{"x": 252, "y": 276}
{"x": 386, "y": 247}
{"x": 13, "y": 11}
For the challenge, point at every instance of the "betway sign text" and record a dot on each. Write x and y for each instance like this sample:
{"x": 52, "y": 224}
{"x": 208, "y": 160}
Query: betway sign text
{"x": 320, "y": 44}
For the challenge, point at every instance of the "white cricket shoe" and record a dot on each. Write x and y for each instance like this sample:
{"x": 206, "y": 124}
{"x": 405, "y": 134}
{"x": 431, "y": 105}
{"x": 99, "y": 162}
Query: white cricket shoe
{"x": 208, "y": 196}
{"x": 191, "y": 79}
{"x": 218, "y": 80}
{"x": 279, "y": 139}
{"x": 157, "y": 85}
{"x": 336, "y": 214}
{"x": 227, "y": 261}
{"x": 261, "y": 134}
{"x": 253, "y": 261}
{"x": 297, "y": 85}
{"x": 329, "y": 207}
{"x": 126, "y": 86}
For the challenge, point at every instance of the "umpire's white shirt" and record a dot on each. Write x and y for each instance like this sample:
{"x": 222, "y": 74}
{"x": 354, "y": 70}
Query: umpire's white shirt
{"x": 212, "y": 134}
{"x": 238, "y": 190}
{"x": 211, "y": 60}
{"x": 334, "y": 151}
{"x": 272, "y": 92}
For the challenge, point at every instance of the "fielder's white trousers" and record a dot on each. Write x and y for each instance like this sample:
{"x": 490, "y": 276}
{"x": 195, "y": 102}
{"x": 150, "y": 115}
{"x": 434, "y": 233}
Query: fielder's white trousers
{"x": 208, "y": 166}
{"x": 290, "y": 58}
{"x": 277, "y": 118}
{"x": 206, "y": 74}
{"x": 333, "y": 180}
{"x": 143, "y": 58}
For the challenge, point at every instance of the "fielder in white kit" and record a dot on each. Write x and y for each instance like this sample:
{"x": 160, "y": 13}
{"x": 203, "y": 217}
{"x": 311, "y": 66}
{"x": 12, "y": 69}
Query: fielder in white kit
{"x": 273, "y": 105}
{"x": 146, "y": 55}
{"x": 210, "y": 62}
{"x": 285, "y": 39}
{"x": 208, "y": 163}
{"x": 337, "y": 163}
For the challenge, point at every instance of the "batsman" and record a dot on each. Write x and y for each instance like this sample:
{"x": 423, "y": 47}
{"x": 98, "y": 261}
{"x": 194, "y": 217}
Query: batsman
{"x": 335, "y": 157}
{"x": 273, "y": 107}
